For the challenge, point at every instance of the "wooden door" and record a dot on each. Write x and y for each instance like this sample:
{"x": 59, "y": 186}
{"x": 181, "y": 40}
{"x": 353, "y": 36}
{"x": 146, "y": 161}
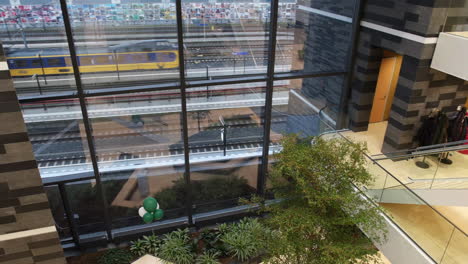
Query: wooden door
{"x": 383, "y": 89}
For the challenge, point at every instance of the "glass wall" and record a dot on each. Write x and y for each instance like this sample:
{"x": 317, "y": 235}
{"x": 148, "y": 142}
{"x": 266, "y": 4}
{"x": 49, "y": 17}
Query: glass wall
{"x": 224, "y": 38}
{"x": 225, "y": 141}
{"x": 136, "y": 126}
{"x": 125, "y": 42}
{"x": 35, "y": 44}
{"x": 313, "y": 36}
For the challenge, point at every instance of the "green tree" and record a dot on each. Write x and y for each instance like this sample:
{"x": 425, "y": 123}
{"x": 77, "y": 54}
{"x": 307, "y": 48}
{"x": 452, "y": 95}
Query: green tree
{"x": 319, "y": 209}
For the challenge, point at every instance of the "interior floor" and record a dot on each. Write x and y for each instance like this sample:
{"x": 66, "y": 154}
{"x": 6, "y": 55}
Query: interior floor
{"x": 437, "y": 176}
{"x": 422, "y": 223}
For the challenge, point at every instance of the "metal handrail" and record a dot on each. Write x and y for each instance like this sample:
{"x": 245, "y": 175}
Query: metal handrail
{"x": 401, "y": 183}
{"x": 423, "y": 151}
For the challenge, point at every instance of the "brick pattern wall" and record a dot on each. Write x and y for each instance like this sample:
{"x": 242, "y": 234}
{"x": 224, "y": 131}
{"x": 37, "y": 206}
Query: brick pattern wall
{"x": 420, "y": 17}
{"x": 27, "y": 230}
{"x": 419, "y": 87}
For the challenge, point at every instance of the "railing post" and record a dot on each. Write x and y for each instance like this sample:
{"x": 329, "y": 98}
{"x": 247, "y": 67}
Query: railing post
{"x": 69, "y": 214}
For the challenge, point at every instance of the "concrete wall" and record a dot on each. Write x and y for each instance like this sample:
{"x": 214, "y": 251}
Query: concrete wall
{"x": 27, "y": 230}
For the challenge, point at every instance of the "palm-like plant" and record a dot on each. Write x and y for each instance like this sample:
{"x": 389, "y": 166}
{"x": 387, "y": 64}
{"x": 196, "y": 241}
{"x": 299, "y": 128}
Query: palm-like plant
{"x": 151, "y": 244}
{"x": 138, "y": 248}
{"x": 208, "y": 258}
{"x": 177, "y": 247}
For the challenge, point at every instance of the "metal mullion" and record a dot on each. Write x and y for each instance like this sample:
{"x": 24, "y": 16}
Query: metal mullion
{"x": 43, "y": 98}
{"x": 172, "y": 86}
{"x": 225, "y": 81}
{"x": 290, "y": 76}
{"x": 183, "y": 85}
{"x": 84, "y": 111}
{"x": 357, "y": 14}
{"x": 69, "y": 214}
{"x": 269, "y": 96}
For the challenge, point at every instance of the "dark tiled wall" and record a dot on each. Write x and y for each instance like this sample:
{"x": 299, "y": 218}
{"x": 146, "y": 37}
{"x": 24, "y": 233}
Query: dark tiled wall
{"x": 419, "y": 87}
{"x": 421, "y": 17}
{"x": 23, "y": 203}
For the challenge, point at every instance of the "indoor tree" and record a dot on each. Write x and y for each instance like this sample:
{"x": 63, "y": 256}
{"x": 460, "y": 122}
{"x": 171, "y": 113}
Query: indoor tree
{"x": 319, "y": 213}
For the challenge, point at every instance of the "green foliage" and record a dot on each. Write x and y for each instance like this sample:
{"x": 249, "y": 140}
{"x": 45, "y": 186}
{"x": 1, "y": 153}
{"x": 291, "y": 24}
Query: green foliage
{"x": 214, "y": 189}
{"x": 246, "y": 239}
{"x": 138, "y": 248}
{"x": 212, "y": 242}
{"x": 318, "y": 207}
{"x": 177, "y": 247}
{"x": 208, "y": 258}
{"x": 116, "y": 256}
{"x": 151, "y": 244}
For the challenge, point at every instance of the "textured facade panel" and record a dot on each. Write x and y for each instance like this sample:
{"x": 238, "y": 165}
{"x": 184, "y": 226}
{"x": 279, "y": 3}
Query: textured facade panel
{"x": 419, "y": 88}
{"x": 424, "y": 18}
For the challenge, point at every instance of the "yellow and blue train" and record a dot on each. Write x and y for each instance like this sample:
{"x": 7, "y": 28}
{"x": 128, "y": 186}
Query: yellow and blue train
{"x": 144, "y": 55}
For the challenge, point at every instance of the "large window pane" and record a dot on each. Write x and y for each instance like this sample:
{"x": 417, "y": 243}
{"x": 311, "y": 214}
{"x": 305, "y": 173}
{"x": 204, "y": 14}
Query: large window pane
{"x": 125, "y": 43}
{"x": 225, "y": 139}
{"x": 36, "y": 48}
{"x": 58, "y": 137}
{"x": 86, "y": 207}
{"x": 138, "y": 139}
{"x": 308, "y": 106}
{"x": 313, "y": 35}
{"x": 58, "y": 211}
{"x": 225, "y": 38}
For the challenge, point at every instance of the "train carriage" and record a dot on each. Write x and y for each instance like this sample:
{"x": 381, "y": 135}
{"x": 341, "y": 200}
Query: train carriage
{"x": 143, "y": 55}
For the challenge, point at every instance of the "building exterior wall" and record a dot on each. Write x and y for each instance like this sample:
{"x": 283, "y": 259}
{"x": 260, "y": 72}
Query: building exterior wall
{"x": 419, "y": 88}
{"x": 27, "y": 230}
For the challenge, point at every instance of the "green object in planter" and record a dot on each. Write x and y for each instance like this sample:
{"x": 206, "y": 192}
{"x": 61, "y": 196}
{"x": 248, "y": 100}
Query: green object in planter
{"x": 150, "y": 204}
{"x": 148, "y": 218}
{"x": 159, "y": 214}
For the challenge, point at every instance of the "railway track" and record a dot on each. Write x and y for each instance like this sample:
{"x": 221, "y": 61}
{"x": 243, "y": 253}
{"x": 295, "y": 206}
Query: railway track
{"x": 207, "y": 149}
{"x": 210, "y": 142}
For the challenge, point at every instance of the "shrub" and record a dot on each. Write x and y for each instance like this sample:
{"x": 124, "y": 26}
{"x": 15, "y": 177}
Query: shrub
{"x": 246, "y": 239}
{"x": 212, "y": 242}
{"x": 177, "y": 247}
{"x": 213, "y": 189}
{"x": 138, "y": 248}
{"x": 318, "y": 208}
{"x": 151, "y": 244}
{"x": 208, "y": 258}
{"x": 116, "y": 256}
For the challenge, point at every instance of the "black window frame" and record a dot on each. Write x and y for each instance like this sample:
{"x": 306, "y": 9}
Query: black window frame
{"x": 269, "y": 78}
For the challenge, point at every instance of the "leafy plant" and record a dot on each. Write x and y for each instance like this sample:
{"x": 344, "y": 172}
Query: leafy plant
{"x": 318, "y": 208}
{"x": 116, "y": 256}
{"x": 138, "y": 248}
{"x": 241, "y": 245}
{"x": 208, "y": 258}
{"x": 246, "y": 239}
{"x": 177, "y": 247}
{"x": 151, "y": 244}
{"x": 212, "y": 241}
